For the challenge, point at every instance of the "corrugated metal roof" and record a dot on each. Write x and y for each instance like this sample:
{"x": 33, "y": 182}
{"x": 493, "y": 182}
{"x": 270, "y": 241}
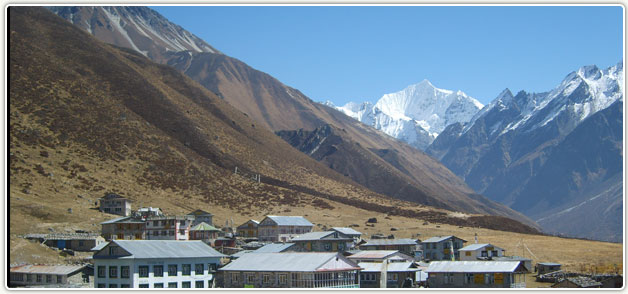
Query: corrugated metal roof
{"x": 204, "y": 227}
{"x": 274, "y": 247}
{"x": 112, "y": 196}
{"x": 285, "y": 262}
{"x": 440, "y": 239}
{"x": 200, "y": 212}
{"x": 245, "y": 224}
{"x": 290, "y": 220}
{"x": 549, "y": 263}
{"x": 99, "y": 246}
{"x": 166, "y": 249}
{"x": 374, "y": 242}
{"x": 474, "y": 247}
{"x": 347, "y": 231}
{"x": 510, "y": 258}
{"x": 115, "y": 220}
{"x": 313, "y": 236}
{"x": 47, "y": 269}
{"x": 472, "y": 266}
{"x": 373, "y": 254}
{"x": 392, "y": 267}
{"x": 72, "y": 236}
{"x": 240, "y": 253}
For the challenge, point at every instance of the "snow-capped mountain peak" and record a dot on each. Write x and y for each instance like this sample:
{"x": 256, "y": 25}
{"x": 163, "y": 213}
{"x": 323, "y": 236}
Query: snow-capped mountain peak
{"x": 416, "y": 114}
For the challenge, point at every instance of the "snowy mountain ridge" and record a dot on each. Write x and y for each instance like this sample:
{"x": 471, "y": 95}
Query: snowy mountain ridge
{"x": 416, "y": 114}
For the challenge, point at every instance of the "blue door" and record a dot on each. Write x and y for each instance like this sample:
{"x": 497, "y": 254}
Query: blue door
{"x": 61, "y": 244}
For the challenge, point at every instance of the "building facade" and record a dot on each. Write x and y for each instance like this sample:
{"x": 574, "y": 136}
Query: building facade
{"x": 204, "y": 232}
{"x": 398, "y": 274}
{"x": 282, "y": 228}
{"x": 476, "y": 274}
{"x": 439, "y": 248}
{"x": 155, "y": 264}
{"x": 201, "y": 216}
{"x": 115, "y": 204}
{"x": 405, "y": 246}
{"x": 50, "y": 275}
{"x": 480, "y": 251}
{"x": 291, "y": 270}
{"x": 248, "y": 229}
{"x": 329, "y": 241}
{"x": 124, "y": 228}
{"x": 73, "y": 241}
{"x": 169, "y": 227}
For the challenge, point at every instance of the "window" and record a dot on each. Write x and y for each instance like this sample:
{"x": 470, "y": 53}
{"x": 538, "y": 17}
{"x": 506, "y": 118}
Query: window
{"x": 165, "y": 233}
{"x": 119, "y": 236}
{"x": 235, "y": 277}
{"x": 341, "y": 246}
{"x": 484, "y": 254}
{"x": 468, "y": 278}
{"x": 59, "y": 279}
{"x": 118, "y": 209}
{"x": 186, "y": 284}
{"x": 172, "y": 285}
{"x": 48, "y": 278}
{"x": 211, "y": 267}
{"x": 126, "y": 286}
{"x": 199, "y": 284}
{"x": 172, "y": 270}
{"x": 186, "y": 269}
{"x": 266, "y": 278}
{"x": 124, "y": 272}
{"x": 143, "y": 271}
{"x": 156, "y": 233}
{"x": 494, "y": 253}
{"x": 158, "y": 270}
{"x": 158, "y": 285}
{"x": 449, "y": 278}
{"x": 171, "y": 233}
{"x": 467, "y": 253}
{"x": 39, "y": 278}
{"x": 113, "y": 272}
{"x": 199, "y": 269}
{"x": 283, "y": 279}
{"x": 113, "y": 285}
{"x": 143, "y": 285}
{"x": 250, "y": 278}
{"x": 29, "y": 278}
{"x": 327, "y": 246}
{"x": 393, "y": 277}
{"x": 155, "y": 223}
{"x": 101, "y": 286}
{"x": 489, "y": 279}
{"x": 102, "y": 271}
{"x": 81, "y": 243}
{"x": 181, "y": 232}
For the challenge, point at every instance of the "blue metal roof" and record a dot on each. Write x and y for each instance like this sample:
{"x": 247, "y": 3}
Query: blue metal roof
{"x": 165, "y": 249}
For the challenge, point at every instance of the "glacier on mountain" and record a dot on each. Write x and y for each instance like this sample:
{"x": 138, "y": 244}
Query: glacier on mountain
{"x": 416, "y": 114}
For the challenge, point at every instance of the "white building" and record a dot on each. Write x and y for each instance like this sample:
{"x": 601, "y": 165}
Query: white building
{"x": 480, "y": 251}
{"x": 155, "y": 264}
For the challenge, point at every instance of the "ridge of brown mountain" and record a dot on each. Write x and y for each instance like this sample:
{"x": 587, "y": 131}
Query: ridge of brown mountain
{"x": 278, "y": 107}
{"x": 87, "y": 118}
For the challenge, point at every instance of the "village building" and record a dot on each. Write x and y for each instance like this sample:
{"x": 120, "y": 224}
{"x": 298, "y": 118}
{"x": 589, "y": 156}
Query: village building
{"x": 248, "y": 229}
{"x": 146, "y": 212}
{"x": 124, "y": 228}
{"x": 546, "y": 267}
{"x": 201, "y": 216}
{"x": 577, "y": 282}
{"x": 476, "y": 274}
{"x": 526, "y": 262}
{"x": 277, "y": 247}
{"x": 405, "y": 246}
{"x": 612, "y": 281}
{"x": 329, "y": 241}
{"x": 291, "y": 270}
{"x": 155, "y": 264}
{"x": 398, "y": 274}
{"x": 115, "y": 204}
{"x": 169, "y": 227}
{"x": 379, "y": 256}
{"x": 282, "y": 228}
{"x": 73, "y": 241}
{"x": 439, "y": 248}
{"x": 204, "y": 232}
{"x": 350, "y": 232}
{"x": 480, "y": 251}
{"x": 49, "y": 275}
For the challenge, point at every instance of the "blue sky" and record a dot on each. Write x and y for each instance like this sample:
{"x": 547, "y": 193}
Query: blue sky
{"x": 359, "y": 53}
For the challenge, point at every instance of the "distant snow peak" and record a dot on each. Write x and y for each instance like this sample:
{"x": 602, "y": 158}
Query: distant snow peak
{"x": 416, "y": 114}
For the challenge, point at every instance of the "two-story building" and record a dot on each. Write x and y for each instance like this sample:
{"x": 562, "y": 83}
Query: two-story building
{"x": 398, "y": 274}
{"x": 329, "y": 241}
{"x": 476, "y": 274}
{"x": 405, "y": 246}
{"x": 379, "y": 256}
{"x": 115, "y": 204}
{"x": 282, "y": 228}
{"x": 169, "y": 227}
{"x": 439, "y": 248}
{"x": 204, "y": 232}
{"x": 248, "y": 229}
{"x": 291, "y": 270}
{"x": 124, "y": 228}
{"x": 350, "y": 232}
{"x": 155, "y": 264}
{"x": 201, "y": 216}
{"x": 480, "y": 251}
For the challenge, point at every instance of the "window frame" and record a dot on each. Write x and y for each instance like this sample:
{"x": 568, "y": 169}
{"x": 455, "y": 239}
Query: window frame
{"x": 176, "y": 285}
{"x": 123, "y": 269}
{"x": 196, "y": 269}
{"x": 186, "y": 269}
{"x": 141, "y": 269}
{"x": 102, "y": 271}
{"x": 186, "y": 283}
{"x": 160, "y": 284}
{"x": 161, "y": 273}
{"x": 176, "y": 270}
{"x": 113, "y": 272}
{"x": 202, "y": 283}
{"x": 283, "y": 279}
